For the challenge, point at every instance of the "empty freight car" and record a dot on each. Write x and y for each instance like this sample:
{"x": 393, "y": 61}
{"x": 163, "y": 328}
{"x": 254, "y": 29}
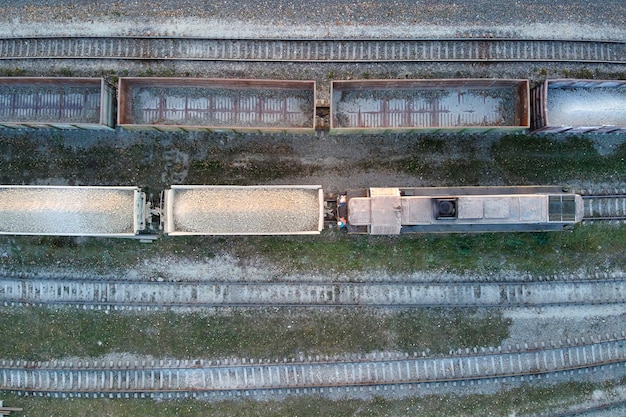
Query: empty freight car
{"x": 61, "y": 103}
{"x": 453, "y": 105}
{"x": 181, "y": 104}
{"x": 578, "y": 106}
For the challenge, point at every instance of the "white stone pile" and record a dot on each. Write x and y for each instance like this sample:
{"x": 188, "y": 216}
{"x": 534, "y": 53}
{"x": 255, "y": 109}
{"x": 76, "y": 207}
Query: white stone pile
{"x": 246, "y": 210}
{"x": 66, "y": 211}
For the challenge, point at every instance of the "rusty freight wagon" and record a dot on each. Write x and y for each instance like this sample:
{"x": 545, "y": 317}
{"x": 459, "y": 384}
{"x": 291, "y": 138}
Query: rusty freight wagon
{"x": 199, "y": 104}
{"x": 72, "y": 211}
{"x": 242, "y": 210}
{"x": 61, "y": 103}
{"x": 579, "y": 106}
{"x": 455, "y": 105}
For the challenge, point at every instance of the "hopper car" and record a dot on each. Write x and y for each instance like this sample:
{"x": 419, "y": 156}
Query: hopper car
{"x": 282, "y": 210}
{"x": 72, "y": 211}
{"x": 242, "y": 210}
{"x": 579, "y": 106}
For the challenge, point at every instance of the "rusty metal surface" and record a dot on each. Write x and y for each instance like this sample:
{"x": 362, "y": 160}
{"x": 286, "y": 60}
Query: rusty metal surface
{"x": 213, "y": 104}
{"x": 55, "y": 102}
{"x": 454, "y": 104}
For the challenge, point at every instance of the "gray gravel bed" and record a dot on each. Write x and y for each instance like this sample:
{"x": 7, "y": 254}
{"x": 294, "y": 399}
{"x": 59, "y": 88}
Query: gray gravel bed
{"x": 328, "y": 14}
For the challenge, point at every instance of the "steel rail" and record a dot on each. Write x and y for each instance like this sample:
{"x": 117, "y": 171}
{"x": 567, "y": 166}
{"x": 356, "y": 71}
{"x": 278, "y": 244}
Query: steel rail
{"x": 604, "y": 207}
{"x": 232, "y": 375}
{"x": 98, "y": 293}
{"x": 170, "y": 48}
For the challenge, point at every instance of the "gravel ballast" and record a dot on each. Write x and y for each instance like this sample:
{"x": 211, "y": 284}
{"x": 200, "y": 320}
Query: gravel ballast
{"x": 259, "y": 18}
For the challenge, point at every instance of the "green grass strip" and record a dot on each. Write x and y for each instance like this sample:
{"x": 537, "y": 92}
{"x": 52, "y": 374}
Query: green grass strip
{"x": 524, "y": 400}
{"x": 592, "y": 248}
{"x": 40, "y": 333}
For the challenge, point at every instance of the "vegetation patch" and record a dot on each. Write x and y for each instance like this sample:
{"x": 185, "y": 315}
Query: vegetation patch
{"x": 43, "y": 334}
{"x": 549, "y": 160}
{"x": 591, "y": 248}
{"x": 249, "y": 166}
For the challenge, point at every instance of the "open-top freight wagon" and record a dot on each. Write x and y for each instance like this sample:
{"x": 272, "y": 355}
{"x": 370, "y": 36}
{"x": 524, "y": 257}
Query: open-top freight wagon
{"x": 72, "y": 211}
{"x": 204, "y": 104}
{"x": 579, "y": 106}
{"x": 57, "y": 102}
{"x": 446, "y": 105}
{"x": 242, "y": 210}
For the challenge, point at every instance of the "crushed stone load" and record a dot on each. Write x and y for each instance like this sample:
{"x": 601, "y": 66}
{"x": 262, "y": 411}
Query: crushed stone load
{"x": 66, "y": 210}
{"x": 587, "y": 106}
{"x": 246, "y": 210}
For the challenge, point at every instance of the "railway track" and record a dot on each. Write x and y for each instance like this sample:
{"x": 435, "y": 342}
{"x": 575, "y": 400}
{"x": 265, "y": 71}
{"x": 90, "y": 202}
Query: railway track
{"x": 314, "y": 50}
{"x": 202, "y": 294}
{"x": 605, "y": 207}
{"x": 197, "y": 376}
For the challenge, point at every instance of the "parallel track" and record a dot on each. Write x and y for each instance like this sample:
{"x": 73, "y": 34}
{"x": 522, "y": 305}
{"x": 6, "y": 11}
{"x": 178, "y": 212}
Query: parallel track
{"x": 314, "y": 50}
{"x": 605, "y": 207}
{"x": 153, "y": 377}
{"x": 96, "y": 293}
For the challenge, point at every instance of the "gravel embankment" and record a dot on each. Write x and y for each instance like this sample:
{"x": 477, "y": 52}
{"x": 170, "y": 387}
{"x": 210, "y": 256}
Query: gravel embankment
{"x": 535, "y": 18}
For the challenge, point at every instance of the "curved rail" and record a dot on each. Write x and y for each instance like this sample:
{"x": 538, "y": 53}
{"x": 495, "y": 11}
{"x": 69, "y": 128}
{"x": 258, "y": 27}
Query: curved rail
{"x": 153, "y": 377}
{"x": 203, "y": 294}
{"x": 314, "y": 50}
{"x": 605, "y": 207}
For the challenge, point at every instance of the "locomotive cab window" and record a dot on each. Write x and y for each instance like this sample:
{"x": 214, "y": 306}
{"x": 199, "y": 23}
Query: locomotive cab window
{"x": 445, "y": 208}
